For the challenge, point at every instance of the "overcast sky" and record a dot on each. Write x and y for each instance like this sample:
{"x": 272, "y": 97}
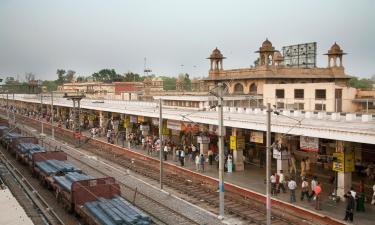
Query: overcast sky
{"x": 41, "y": 36}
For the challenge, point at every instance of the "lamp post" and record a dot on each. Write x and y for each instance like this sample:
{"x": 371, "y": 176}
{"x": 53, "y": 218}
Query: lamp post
{"x": 52, "y": 127}
{"x": 268, "y": 164}
{"x": 221, "y": 150}
{"x": 161, "y": 151}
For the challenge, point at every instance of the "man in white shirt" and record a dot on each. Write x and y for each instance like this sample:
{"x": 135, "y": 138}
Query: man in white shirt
{"x": 313, "y": 185}
{"x": 292, "y": 185}
{"x": 281, "y": 181}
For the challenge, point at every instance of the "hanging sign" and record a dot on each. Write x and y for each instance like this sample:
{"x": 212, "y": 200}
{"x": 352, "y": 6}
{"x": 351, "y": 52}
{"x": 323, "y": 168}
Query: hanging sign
{"x": 343, "y": 162}
{"x": 141, "y": 119}
{"x": 155, "y": 121}
{"x": 133, "y": 119}
{"x": 174, "y": 125}
{"x": 203, "y": 140}
{"x": 127, "y": 122}
{"x": 309, "y": 144}
{"x": 145, "y": 127}
{"x": 256, "y": 137}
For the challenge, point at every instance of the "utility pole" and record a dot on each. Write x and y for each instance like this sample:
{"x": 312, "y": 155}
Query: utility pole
{"x": 41, "y": 113}
{"x": 8, "y": 107}
{"x": 221, "y": 151}
{"x": 161, "y": 151}
{"x": 268, "y": 163}
{"x": 53, "y": 129}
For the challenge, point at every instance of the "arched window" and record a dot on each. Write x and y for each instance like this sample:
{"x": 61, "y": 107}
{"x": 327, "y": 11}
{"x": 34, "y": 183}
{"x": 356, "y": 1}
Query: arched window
{"x": 253, "y": 88}
{"x": 238, "y": 88}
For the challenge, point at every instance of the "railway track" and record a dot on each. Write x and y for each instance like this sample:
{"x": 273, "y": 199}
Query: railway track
{"x": 49, "y": 216}
{"x": 161, "y": 214}
{"x": 250, "y": 211}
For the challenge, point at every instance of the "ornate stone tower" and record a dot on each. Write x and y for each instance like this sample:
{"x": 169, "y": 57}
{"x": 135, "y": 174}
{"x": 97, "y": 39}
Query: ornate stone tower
{"x": 334, "y": 53}
{"x": 278, "y": 59}
{"x": 216, "y": 60}
{"x": 266, "y": 53}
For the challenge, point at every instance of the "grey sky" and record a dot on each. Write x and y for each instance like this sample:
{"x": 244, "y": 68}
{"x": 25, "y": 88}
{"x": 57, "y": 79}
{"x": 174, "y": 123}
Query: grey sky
{"x": 41, "y": 36}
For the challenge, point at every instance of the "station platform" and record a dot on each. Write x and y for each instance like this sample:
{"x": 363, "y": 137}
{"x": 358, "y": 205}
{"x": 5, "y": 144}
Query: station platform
{"x": 253, "y": 178}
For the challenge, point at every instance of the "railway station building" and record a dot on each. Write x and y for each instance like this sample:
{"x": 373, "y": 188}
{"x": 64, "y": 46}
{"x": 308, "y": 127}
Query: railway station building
{"x": 319, "y": 115}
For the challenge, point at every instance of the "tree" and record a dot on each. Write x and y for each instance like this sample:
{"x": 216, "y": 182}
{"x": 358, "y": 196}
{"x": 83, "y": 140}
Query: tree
{"x": 29, "y": 77}
{"x": 132, "y": 77}
{"x": 364, "y": 84}
{"x": 70, "y": 76}
{"x": 60, "y": 76}
{"x": 169, "y": 83}
{"x": 50, "y": 84}
{"x": 107, "y": 75}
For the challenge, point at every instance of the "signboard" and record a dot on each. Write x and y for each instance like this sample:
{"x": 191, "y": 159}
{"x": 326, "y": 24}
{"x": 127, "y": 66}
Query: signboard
{"x": 127, "y": 122}
{"x": 233, "y": 142}
{"x": 133, "y": 119}
{"x": 300, "y": 55}
{"x": 155, "y": 121}
{"x": 174, "y": 125}
{"x": 240, "y": 142}
{"x": 165, "y": 128}
{"x": 281, "y": 155}
{"x": 141, "y": 119}
{"x": 203, "y": 140}
{"x": 343, "y": 162}
{"x": 338, "y": 162}
{"x": 145, "y": 127}
{"x": 256, "y": 137}
{"x": 309, "y": 144}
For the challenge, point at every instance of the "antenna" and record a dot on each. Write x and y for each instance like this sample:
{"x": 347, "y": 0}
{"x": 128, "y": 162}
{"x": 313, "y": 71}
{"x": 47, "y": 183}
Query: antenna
{"x": 145, "y": 69}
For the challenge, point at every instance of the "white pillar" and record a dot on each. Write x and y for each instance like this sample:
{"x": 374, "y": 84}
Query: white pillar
{"x": 344, "y": 179}
{"x": 238, "y": 152}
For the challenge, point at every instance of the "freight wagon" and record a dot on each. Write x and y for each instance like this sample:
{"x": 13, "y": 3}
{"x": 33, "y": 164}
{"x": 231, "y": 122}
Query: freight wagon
{"x": 24, "y": 151}
{"x": 46, "y": 165}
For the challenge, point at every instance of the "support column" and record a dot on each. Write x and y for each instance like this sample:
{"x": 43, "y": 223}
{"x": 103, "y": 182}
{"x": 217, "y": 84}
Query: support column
{"x": 344, "y": 179}
{"x": 101, "y": 119}
{"x": 238, "y": 151}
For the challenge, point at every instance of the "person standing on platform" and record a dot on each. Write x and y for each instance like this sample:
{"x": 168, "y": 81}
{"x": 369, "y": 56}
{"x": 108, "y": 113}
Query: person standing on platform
{"x": 292, "y": 185}
{"x": 373, "y": 195}
{"x": 282, "y": 181}
{"x": 197, "y": 162}
{"x": 182, "y": 157}
{"x": 313, "y": 185}
{"x": 361, "y": 197}
{"x": 193, "y": 152}
{"x": 230, "y": 164}
{"x": 165, "y": 152}
{"x": 108, "y": 136}
{"x": 210, "y": 156}
{"x": 292, "y": 164}
{"x": 317, "y": 192}
{"x": 303, "y": 168}
{"x": 305, "y": 190}
{"x": 273, "y": 184}
{"x": 349, "y": 207}
{"x": 202, "y": 160}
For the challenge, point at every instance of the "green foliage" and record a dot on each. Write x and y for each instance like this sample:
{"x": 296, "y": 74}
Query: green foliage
{"x": 60, "y": 76}
{"x": 130, "y": 77}
{"x": 106, "y": 75}
{"x": 50, "y": 84}
{"x": 169, "y": 83}
{"x": 364, "y": 84}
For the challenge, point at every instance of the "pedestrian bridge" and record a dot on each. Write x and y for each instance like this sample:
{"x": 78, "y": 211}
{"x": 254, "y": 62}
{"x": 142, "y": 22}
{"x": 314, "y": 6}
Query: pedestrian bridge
{"x": 336, "y": 126}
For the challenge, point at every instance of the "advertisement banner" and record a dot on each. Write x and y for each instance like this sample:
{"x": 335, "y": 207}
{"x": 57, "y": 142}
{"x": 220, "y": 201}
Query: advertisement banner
{"x": 155, "y": 121}
{"x": 281, "y": 155}
{"x": 127, "y": 122}
{"x": 145, "y": 127}
{"x": 174, "y": 125}
{"x": 309, "y": 144}
{"x": 233, "y": 142}
{"x": 203, "y": 140}
{"x": 165, "y": 128}
{"x": 133, "y": 119}
{"x": 141, "y": 119}
{"x": 343, "y": 162}
{"x": 256, "y": 137}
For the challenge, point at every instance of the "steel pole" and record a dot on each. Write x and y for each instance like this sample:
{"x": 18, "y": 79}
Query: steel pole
{"x": 161, "y": 151}
{"x": 8, "y": 107}
{"x": 221, "y": 151}
{"x": 53, "y": 129}
{"x": 268, "y": 164}
{"x": 41, "y": 112}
